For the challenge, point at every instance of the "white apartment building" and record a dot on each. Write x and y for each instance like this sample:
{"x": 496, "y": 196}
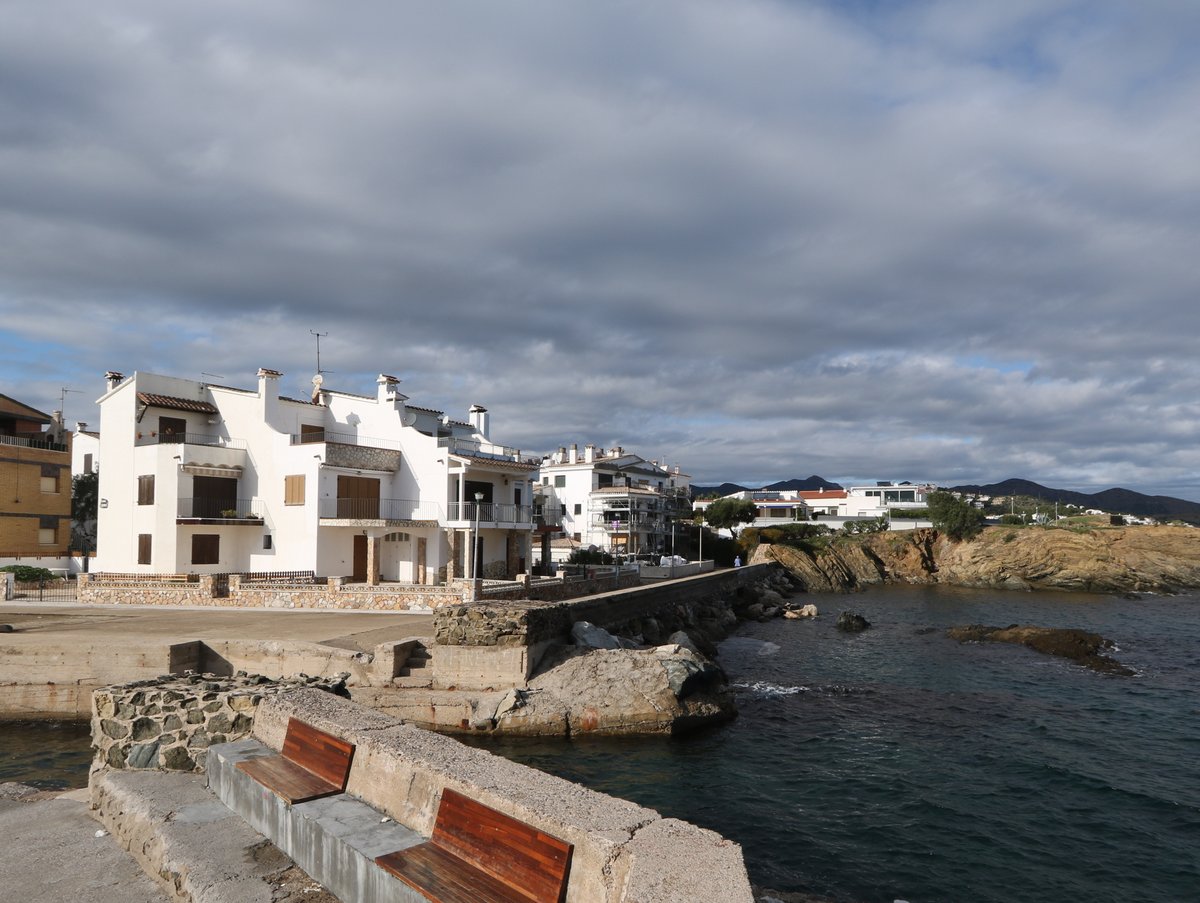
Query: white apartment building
{"x": 200, "y": 478}
{"x": 855, "y": 503}
{"x": 614, "y": 500}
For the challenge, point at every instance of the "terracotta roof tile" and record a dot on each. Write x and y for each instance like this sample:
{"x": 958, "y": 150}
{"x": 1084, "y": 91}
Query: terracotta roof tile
{"x": 176, "y": 404}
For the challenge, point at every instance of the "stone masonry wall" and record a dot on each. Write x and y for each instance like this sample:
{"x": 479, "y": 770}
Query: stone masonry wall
{"x": 168, "y": 723}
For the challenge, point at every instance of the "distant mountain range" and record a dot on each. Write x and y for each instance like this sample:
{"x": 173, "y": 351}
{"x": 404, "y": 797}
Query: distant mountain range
{"x": 1117, "y": 501}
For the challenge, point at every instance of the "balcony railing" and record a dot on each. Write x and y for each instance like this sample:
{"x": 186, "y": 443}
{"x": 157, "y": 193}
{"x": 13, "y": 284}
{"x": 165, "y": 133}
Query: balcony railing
{"x": 547, "y": 515}
{"x": 342, "y": 438}
{"x": 490, "y": 513}
{"x": 480, "y": 449}
{"x": 32, "y": 440}
{"x": 379, "y": 509}
{"x": 220, "y": 509}
{"x": 156, "y": 438}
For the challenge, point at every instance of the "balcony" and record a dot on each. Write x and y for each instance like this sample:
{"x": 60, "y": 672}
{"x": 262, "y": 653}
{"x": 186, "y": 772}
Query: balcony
{"x": 219, "y": 510}
{"x": 156, "y": 438}
{"x": 351, "y": 450}
{"x": 476, "y": 449}
{"x": 488, "y": 514}
{"x": 32, "y": 440}
{"x": 353, "y": 512}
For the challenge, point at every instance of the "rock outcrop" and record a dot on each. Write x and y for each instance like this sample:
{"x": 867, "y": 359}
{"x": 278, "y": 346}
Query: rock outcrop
{"x": 1079, "y": 646}
{"x": 1106, "y": 560}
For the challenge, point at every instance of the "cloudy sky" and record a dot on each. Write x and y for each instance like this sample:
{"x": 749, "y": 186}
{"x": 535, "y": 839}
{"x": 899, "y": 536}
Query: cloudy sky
{"x": 762, "y": 238}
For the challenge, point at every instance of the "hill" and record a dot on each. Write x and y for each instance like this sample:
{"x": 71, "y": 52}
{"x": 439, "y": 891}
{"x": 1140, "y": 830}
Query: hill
{"x": 813, "y": 482}
{"x": 1116, "y": 501}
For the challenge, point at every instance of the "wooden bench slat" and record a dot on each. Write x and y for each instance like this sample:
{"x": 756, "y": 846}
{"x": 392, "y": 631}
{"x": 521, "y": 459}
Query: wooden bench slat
{"x": 313, "y": 764}
{"x": 444, "y": 878}
{"x": 474, "y": 846}
{"x": 287, "y": 780}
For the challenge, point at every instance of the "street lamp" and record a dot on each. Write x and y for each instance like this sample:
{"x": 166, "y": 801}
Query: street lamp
{"x": 475, "y": 541}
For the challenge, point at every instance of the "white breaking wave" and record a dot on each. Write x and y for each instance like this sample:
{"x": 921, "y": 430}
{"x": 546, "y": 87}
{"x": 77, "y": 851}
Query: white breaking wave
{"x": 765, "y": 689}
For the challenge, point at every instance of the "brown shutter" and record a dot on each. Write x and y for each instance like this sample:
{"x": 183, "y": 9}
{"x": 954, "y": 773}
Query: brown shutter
{"x": 293, "y": 489}
{"x": 144, "y": 540}
{"x": 146, "y": 489}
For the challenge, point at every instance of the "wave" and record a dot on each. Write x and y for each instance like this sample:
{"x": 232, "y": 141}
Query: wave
{"x": 765, "y": 689}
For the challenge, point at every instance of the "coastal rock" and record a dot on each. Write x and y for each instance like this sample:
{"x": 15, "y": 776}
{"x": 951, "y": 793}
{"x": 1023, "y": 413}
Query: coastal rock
{"x": 1079, "y": 646}
{"x": 852, "y": 622}
{"x": 1092, "y": 559}
{"x": 588, "y": 636}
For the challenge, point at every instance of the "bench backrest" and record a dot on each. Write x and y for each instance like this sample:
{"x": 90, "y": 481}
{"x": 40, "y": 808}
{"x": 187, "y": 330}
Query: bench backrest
{"x": 524, "y": 858}
{"x": 323, "y": 754}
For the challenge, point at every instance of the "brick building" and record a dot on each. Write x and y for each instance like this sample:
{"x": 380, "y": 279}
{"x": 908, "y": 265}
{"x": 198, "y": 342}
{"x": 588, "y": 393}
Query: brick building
{"x": 35, "y": 482}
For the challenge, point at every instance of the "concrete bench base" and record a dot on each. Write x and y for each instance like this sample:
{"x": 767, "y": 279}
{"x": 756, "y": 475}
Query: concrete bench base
{"x": 334, "y": 839}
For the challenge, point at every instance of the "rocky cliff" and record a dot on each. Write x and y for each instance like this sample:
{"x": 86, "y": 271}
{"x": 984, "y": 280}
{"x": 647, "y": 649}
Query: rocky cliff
{"x": 1118, "y": 559}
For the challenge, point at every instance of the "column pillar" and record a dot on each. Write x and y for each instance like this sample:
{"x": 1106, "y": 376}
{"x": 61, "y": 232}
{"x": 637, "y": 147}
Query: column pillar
{"x": 421, "y": 576}
{"x": 374, "y": 544}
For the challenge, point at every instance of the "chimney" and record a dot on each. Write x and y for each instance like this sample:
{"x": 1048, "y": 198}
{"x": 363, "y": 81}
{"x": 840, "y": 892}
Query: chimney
{"x": 574, "y": 454}
{"x": 589, "y": 453}
{"x": 114, "y": 379}
{"x": 388, "y": 390}
{"x": 80, "y": 426}
{"x": 478, "y": 418}
{"x": 268, "y": 393}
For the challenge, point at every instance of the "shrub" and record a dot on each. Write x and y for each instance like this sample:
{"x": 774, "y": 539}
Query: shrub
{"x": 23, "y": 573}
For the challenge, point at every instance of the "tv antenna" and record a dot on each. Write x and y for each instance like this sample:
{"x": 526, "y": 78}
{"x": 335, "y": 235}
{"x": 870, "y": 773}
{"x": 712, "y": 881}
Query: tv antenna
{"x": 319, "y": 335}
{"x": 62, "y": 400}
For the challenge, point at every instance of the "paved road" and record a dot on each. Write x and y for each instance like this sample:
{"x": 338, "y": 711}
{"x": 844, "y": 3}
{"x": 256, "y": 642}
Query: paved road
{"x": 359, "y": 630}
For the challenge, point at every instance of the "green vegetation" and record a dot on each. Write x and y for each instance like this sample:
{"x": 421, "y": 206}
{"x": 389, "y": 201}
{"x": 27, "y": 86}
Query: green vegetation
{"x": 589, "y": 556}
{"x": 875, "y": 525}
{"x": 954, "y": 517}
{"x": 729, "y": 514}
{"x": 23, "y": 573}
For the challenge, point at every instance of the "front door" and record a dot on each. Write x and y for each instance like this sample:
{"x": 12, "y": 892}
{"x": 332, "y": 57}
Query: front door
{"x": 360, "y": 559}
{"x": 214, "y": 496}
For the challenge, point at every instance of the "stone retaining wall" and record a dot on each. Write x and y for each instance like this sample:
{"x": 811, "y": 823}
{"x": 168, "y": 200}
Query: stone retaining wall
{"x": 168, "y": 723}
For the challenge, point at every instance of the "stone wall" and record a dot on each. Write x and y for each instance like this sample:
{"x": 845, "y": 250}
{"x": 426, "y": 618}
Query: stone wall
{"x": 168, "y": 723}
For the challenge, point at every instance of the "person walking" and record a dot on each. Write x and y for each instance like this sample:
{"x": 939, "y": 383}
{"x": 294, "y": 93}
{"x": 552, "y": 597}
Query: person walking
{"x": 737, "y": 561}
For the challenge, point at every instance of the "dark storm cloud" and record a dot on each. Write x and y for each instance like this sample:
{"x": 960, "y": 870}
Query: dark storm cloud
{"x": 925, "y": 240}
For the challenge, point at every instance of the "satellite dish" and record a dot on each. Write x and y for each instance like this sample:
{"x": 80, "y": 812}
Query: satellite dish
{"x": 318, "y": 380}
{"x": 409, "y": 418}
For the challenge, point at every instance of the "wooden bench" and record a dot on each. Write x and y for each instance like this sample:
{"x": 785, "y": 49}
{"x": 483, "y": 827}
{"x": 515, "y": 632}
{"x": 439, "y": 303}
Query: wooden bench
{"x": 479, "y": 855}
{"x": 313, "y": 764}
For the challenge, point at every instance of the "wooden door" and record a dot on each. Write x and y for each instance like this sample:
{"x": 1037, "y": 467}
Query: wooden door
{"x": 358, "y": 498}
{"x": 171, "y": 430}
{"x": 360, "y": 558}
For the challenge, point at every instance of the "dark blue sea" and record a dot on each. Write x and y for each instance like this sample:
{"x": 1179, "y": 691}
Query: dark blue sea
{"x": 898, "y": 764}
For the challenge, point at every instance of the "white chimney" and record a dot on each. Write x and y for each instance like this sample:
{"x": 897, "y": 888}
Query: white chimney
{"x": 478, "y": 418}
{"x": 268, "y": 393}
{"x": 114, "y": 379}
{"x": 589, "y": 453}
{"x": 574, "y": 458}
{"x": 80, "y": 426}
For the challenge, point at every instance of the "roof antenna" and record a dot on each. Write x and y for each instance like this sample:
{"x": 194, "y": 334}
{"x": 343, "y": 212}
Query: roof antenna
{"x": 62, "y": 401}
{"x": 319, "y": 335}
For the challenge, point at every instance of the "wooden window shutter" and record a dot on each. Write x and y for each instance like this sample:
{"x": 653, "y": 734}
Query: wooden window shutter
{"x": 144, "y": 540}
{"x": 146, "y": 489}
{"x": 293, "y": 489}
{"x": 206, "y": 548}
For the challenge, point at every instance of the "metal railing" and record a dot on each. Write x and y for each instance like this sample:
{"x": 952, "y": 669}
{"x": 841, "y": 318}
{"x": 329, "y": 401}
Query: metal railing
{"x": 490, "y": 513}
{"x": 379, "y": 509}
{"x": 547, "y": 515}
{"x": 31, "y": 440}
{"x": 342, "y": 438}
{"x": 479, "y": 449}
{"x": 219, "y": 508}
{"x": 156, "y": 438}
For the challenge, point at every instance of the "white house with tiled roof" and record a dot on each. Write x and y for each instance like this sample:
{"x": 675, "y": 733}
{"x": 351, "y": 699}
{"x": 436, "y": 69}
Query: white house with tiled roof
{"x": 776, "y": 506}
{"x": 201, "y": 478}
{"x": 614, "y": 500}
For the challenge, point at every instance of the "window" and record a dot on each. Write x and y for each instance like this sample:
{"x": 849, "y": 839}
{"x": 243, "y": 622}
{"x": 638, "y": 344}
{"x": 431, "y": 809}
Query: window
{"x": 560, "y": 481}
{"x": 87, "y": 463}
{"x": 50, "y": 478}
{"x": 266, "y": 540}
{"x": 293, "y": 489}
{"x": 47, "y": 530}
{"x": 562, "y": 509}
{"x": 144, "y": 548}
{"x": 206, "y": 548}
{"x": 575, "y": 536}
{"x": 578, "y": 508}
{"x": 146, "y": 489}
{"x": 545, "y": 481}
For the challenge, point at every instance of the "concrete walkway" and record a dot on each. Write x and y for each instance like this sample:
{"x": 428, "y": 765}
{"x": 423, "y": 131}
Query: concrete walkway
{"x": 51, "y": 853}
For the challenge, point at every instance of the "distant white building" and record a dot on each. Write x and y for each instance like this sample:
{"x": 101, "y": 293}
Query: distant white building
{"x": 85, "y": 450}
{"x": 200, "y": 478}
{"x": 613, "y": 500}
{"x": 855, "y": 503}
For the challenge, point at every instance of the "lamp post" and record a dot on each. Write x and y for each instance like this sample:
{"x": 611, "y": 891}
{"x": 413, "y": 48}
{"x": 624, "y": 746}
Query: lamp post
{"x": 475, "y": 540}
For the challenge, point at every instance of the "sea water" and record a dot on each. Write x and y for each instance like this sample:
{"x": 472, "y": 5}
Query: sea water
{"x": 899, "y": 764}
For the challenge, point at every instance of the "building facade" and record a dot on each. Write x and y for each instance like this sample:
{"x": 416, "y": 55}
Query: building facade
{"x": 35, "y": 482}
{"x": 613, "y": 500}
{"x": 200, "y": 478}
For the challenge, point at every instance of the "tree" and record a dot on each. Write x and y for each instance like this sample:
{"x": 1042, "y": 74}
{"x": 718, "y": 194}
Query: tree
{"x": 728, "y": 514}
{"x": 85, "y": 493}
{"x": 954, "y": 517}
